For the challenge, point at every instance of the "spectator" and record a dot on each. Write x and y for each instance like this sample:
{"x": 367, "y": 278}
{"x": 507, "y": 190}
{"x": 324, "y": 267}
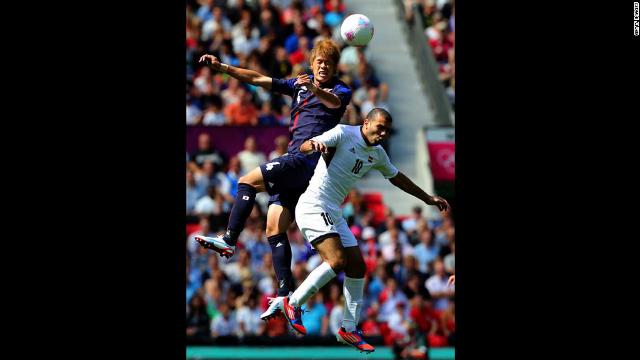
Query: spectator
{"x": 248, "y": 317}
{"x": 391, "y": 247}
{"x": 267, "y": 117}
{"x": 335, "y": 316}
{"x": 389, "y": 298}
{"x": 426, "y": 251}
{"x": 204, "y": 230}
{"x": 281, "y": 142}
{"x": 415, "y": 286}
{"x": 285, "y": 115}
{"x": 372, "y": 102}
{"x": 216, "y": 21}
{"x": 292, "y": 42}
{"x": 224, "y": 324}
{"x": 335, "y": 13}
{"x": 385, "y": 237}
{"x": 194, "y": 192}
{"x": 206, "y": 151}
{"x": 204, "y": 81}
{"x": 242, "y": 113}
{"x": 246, "y": 41}
{"x": 211, "y": 176}
{"x": 438, "y": 288}
{"x": 233, "y": 174}
{"x": 398, "y": 321}
{"x": 448, "y": 323}
{"x": 194, "y": 114}
{"x": 450, "y": 260}
{"x": 370, "y": 324}
{"x": 231, "y": 94}
{"x": 211, "y": 204}
{"x": 197, "y": 317}
{"x": 213, "y": 115}
{"x": 281, "y": 67}
{"x": 410, "y": 224}
{"x": 250, "y": 157}
{"x": 302, "y": 54}
{"x": 239, "y": 270}
{"x": 315, "y": 317}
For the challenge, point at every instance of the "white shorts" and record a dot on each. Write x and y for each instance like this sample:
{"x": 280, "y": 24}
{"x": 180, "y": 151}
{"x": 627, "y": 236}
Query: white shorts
{"x": 318, "y": 223}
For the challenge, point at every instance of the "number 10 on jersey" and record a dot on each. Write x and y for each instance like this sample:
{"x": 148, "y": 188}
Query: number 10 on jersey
{"x": 327, "y": 219}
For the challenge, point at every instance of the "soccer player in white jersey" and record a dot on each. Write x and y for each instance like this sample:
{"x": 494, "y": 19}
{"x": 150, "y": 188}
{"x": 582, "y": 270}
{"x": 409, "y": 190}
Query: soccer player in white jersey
{"x": 348, "y": 152}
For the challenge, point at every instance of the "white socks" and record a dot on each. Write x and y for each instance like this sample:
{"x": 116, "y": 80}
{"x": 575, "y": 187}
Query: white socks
{"x": 314, "y": 282}
{"x": 353, "y": 290}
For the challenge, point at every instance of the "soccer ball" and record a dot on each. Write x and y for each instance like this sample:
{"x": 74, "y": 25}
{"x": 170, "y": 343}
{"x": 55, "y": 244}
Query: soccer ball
{"x": 356, "y": 30}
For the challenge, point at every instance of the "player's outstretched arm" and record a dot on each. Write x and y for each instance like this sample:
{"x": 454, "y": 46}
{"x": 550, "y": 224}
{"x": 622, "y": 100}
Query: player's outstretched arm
{"x": 244, "y": 75}
{"x": 404, "y": 183}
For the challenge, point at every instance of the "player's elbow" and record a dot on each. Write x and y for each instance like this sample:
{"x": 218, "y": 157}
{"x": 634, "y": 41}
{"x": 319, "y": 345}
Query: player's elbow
{"x": 334, "y": 104}
{"x": 397, "y": 180}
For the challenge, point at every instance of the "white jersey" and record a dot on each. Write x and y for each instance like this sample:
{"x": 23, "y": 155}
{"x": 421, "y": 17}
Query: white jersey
{"x": 335, "y": 175}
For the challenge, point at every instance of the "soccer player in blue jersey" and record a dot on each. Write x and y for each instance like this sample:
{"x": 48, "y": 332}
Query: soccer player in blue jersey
{"x": 318, "y": 104}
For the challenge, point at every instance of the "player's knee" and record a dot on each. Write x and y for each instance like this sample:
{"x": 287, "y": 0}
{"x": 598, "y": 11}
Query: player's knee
{"x": 338, "y": 262}
{"x": 246, "y": 180}
{"x": 273, "y": 229}
{"x": 277, "y": 223}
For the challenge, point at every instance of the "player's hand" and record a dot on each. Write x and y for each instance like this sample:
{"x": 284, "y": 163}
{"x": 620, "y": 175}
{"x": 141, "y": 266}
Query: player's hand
{"x": 452, "y": 280}
{"x": 318, "y": 146}
{"x": 305, "y": 80}
{"x": 212, "y": 60}
{"x": 441, "y": 203}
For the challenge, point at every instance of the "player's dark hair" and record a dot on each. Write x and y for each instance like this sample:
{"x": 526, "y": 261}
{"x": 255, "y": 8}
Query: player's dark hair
{"x": 379, "y": 112}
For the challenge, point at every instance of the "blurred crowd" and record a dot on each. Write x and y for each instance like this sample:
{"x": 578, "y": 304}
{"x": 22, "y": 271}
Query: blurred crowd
{"x": 438, "y": 16}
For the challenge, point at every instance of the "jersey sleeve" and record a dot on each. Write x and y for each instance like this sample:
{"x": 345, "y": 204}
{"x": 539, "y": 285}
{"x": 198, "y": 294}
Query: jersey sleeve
{"x": 343, "y": 93}
{"x": 332, "y": 137}
{"x": 283, "y": 86}
{"x": 385, "y": 166}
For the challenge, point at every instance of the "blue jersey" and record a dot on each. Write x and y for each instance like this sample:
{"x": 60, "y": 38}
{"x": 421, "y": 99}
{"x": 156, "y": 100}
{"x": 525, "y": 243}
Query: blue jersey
{"x": 309, "y": 117}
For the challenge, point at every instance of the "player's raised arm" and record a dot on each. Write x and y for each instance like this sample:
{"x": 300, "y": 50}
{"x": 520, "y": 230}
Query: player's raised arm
{"x": 244, "y": 75}
{"x": 408, "y": 186}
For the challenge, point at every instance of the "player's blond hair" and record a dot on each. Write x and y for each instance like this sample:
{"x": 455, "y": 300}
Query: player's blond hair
{"x": 327, "y": 49}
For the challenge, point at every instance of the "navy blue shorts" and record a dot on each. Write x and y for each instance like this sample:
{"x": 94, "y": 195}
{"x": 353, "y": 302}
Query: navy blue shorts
{"x": 287, "y": 177}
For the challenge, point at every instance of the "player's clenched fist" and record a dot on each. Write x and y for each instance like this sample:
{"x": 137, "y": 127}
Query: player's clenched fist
{"x": 210, "y": 59}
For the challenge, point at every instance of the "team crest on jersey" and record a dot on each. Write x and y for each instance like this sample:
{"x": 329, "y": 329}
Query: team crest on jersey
{"x": 370, "y": 159}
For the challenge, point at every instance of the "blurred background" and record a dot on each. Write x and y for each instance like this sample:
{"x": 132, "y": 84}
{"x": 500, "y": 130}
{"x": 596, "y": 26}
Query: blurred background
{"x": 409, "y": 69}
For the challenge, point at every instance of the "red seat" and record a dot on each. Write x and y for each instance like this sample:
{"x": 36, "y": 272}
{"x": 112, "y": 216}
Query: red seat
{"x": 373, "y": 198}
{"x": 378, "y": 213}
{"x": 191, "y": 228}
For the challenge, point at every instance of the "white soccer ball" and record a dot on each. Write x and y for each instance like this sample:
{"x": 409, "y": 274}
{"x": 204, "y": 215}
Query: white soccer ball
{"x": 356, "y": 30}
